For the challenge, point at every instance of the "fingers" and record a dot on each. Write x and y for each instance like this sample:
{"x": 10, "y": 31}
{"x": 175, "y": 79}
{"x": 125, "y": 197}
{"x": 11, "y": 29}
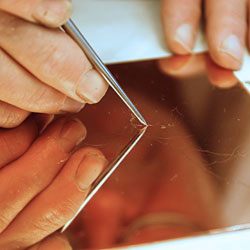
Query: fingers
{"x": 15, "y": 142}
{"x": 26, "y": 177}
{"x": 226, "y": 31}
{"x": 11, "y": 116}
{"x": 52, "y": 208}
{"x": 19, "y": 88}
{"x": 226, "y": 28}
{"x": 180, "y": 23}
{"x": 55, "y": 59}
{"x": 54, "y": 242}
{"x": 52, "y": 13}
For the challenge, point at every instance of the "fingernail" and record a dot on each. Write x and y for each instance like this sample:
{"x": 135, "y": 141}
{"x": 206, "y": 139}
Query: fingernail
{"x": 91, "y": 87}
{"x": 72, "y": 134}
{"x": 184, "y": 36}
{"x": 71, "y": 105}
{"x": 232, "y": 46}
{"x": 89, "y": 169}
{"x": 52, "y": 12}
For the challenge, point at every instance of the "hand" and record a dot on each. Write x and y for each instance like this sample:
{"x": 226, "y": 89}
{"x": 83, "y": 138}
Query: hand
{"x": 226, "y": 28}
{"x": 42, "y": 184}
{"x": 42, "y": 69}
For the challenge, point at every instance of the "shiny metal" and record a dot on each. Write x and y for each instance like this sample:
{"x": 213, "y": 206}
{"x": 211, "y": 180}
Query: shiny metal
{"x": 71, "y": 29}
{"x": 193, "y": 161}
{"x": 107, "y": 172}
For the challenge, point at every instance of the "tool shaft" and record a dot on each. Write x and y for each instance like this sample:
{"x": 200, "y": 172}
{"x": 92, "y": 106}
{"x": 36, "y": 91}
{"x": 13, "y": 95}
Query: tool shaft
{"x": 71, "y": 29}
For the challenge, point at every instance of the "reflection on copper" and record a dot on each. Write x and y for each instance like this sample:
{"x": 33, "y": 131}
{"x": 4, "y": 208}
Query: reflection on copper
{"x": 188, "y": 176}
{"x": 107, "y": 173}
{"x": 72, "y": 30}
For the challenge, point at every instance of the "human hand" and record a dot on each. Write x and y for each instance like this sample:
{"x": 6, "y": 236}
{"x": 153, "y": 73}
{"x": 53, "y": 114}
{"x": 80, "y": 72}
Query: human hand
{"x": 42, "y": 183}
{"x": 42, "y": 69}
{"x": 226, "y": 28}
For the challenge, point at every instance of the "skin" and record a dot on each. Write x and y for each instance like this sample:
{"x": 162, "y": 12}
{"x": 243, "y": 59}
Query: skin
{"x": 62, "y": 80}
{"x": 226, "y": 28}
{"x": 42, "y": 75}
{"x": 56, "y": 92}
{"x": 42, "y": 182}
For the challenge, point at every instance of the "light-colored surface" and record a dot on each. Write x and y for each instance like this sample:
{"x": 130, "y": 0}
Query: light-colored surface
{"x": 130, "y": 30}
{"x": 244, "y": 73}
{"x": 124, "y": 30}
{"x": 238, "y": 239}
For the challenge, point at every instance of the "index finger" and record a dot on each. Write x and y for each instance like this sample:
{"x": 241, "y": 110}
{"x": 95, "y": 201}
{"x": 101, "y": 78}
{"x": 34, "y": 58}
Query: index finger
{"x": 52, "y": 13}
{"x": 15, "y": 142}
{"x": 52, "y": 57}
{"x": 180, "y": 23}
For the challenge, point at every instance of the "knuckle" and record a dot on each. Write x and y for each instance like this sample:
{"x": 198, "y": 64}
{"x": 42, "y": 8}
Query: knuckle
{"x": 48, "y": 223}
{"x": 37, "y": 100}
{"x": 62, "y": 15}
{"x": 56, "y": 217}
{"x": 69, "y": 207}
{"x": 52, "y": 60}
{"x": 60, "y": 64}
{"x": 12, "y": 119}
{"x": 8, "y": 121}
{"x": 43, "y": 99}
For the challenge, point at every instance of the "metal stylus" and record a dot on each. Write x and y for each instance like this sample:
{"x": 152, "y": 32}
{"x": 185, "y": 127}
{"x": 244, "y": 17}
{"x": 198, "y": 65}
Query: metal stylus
{"x": 70, "y": 28}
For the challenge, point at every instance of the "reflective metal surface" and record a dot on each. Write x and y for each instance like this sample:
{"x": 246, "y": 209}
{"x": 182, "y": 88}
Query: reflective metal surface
{"x": 190, "y": 172}
{"x": 71, "y": 29}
